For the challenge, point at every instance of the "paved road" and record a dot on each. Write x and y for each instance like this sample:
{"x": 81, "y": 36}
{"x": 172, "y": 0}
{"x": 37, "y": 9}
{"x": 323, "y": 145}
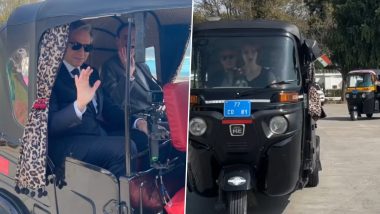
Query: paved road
{"x": 349, "y": 181}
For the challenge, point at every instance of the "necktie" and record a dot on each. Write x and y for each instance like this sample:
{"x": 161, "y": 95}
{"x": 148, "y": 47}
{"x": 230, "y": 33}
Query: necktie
{"x": 75, "y": 72}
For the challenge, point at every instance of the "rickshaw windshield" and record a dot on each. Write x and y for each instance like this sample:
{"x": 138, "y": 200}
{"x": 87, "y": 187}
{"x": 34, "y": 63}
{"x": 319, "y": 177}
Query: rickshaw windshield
{"x": 360, "y": 80}
{"x": 244, "y": 62}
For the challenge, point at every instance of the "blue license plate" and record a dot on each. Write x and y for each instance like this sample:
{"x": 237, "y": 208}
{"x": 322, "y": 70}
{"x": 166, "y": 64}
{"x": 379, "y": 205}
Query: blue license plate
{"x": 237, "y": 108}
{"x": 354, "y": 91}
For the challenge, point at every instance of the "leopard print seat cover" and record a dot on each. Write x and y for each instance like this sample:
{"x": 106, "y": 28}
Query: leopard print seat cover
{"x": 315, "y": 107}
{"x": 31, "y": 168}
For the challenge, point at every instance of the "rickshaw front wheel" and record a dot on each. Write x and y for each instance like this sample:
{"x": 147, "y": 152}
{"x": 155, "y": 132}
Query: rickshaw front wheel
{"x": 237, "y": 202}
{"x": 313, "y": 179}
{"x": 354, "y": 115}
{"x": 314, "y": 176}
{"x": 10, "y": 204}
{"x": 369, "y": 115}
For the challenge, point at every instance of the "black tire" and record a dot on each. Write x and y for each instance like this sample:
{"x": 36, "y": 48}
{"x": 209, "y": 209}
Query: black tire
{"x": 369, "y": 115}
{"x": 190, "y": 179}
{"x": 354, "y": 115}
{"x": 237, "y": 202}
{"x": 314, "y": 177}
{"x": 10, "y": 204}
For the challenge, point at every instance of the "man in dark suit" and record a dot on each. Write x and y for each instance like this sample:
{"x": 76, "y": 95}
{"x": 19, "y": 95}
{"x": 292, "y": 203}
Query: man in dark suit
{"x": 224, "y": 75}
{"x": 79, "y": 112}
{"x": 113, "y": 75}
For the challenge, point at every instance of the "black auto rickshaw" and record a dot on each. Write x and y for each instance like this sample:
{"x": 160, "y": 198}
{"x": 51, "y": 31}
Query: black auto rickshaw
{"x": 362, "y": 93}
{"x": 163, "y": 29}
{"x": 251, "y": 137}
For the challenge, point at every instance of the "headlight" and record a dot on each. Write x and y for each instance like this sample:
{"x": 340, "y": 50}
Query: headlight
{"x": 363, "y": 95}
{"x": 278, "y": 124}
{"x": 347, "y": 95}
{"x": 197, "y": 126}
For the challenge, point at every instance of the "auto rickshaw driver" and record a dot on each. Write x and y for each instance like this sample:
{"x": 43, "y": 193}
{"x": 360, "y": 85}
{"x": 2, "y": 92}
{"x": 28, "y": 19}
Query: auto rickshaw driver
{"x": 113, "y": 78}
{"x": 225, "y": 74}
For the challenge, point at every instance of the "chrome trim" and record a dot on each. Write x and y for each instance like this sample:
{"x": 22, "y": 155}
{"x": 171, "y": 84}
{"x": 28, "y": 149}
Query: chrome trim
{"x": 252, "y": 101}
{"x": 233, "y": 134}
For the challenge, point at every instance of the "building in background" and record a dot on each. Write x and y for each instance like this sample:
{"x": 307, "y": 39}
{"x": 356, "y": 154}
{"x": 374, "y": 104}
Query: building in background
{"x": 331, "y": 82}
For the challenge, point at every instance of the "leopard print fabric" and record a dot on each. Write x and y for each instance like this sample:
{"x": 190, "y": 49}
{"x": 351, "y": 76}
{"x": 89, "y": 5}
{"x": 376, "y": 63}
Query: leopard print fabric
{"x": 31, "y": 168}
{"x": 315, "y": 107}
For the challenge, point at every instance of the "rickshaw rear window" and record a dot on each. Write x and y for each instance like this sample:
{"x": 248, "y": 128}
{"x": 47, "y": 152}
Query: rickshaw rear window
{"x": 243, "y": 61}
{"x": 18, "y": 80}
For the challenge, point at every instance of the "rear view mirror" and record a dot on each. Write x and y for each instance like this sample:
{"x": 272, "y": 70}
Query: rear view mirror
{"x": 315, "y": 53}
{"x": 313, "y": 48}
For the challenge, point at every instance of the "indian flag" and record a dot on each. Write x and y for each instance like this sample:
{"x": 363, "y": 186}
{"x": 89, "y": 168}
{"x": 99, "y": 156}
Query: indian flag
{"x": 324, "y": 60}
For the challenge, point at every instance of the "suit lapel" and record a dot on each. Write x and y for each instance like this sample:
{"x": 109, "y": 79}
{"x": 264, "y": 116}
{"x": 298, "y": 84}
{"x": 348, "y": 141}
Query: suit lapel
{"x": 141, "y": 80}
{"x": 65, "y": 84}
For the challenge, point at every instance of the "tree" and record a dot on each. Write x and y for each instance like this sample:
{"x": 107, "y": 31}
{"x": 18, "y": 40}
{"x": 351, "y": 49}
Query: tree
{"x": 244, "y": 9}
{"x": 320, "y": 22}
{"x": 354, "y": 39}
{"x": 7, "y": 6}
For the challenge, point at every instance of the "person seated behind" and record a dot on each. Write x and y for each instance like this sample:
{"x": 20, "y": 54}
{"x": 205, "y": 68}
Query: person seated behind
{"x": 368, "y": 81}
{"x": 228, "y": 58}
{"x": 78, "y": 110}
{"x": 255, "y": 74}
{"x": 113, "y": 75}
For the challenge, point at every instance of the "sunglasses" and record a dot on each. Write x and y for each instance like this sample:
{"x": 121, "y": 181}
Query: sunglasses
{"x": 75, "y": 46}
{"x": 227, "y": 57}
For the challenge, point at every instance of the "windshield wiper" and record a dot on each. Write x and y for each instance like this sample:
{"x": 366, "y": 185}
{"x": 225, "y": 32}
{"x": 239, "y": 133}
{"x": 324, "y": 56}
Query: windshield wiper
{"x": 282, "y": 82}
{"x": 260, "y": 90}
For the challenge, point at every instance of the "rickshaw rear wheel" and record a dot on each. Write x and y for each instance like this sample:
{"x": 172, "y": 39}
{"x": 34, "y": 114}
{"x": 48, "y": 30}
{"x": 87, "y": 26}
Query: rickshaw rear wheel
{"x": 369, "y": 115}
{"x": 10, "y": 204}
{"x": 354, "y": 115}
{"x": 313, "y": 179}
{"x": 237, "y": 202}
{"x": 314, "y": 176}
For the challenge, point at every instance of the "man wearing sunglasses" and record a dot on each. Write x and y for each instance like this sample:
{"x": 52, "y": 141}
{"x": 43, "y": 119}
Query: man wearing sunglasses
{"x": 79, "y": 112}
{"x": 228, "y": 58}
{"x": 113, "y": 76}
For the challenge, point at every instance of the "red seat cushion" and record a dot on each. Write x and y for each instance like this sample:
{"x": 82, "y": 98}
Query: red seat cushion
{"x": 176, "y": 96}
{"x": 177, "y": 205}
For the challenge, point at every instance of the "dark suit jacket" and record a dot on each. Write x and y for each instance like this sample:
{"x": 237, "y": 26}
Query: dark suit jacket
{"x": 113, "y": 79}
{"x": 63, "y": 120}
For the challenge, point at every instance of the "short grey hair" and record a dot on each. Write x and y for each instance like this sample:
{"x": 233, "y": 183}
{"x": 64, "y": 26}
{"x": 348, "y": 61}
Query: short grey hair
{"x": 80, "y": 25}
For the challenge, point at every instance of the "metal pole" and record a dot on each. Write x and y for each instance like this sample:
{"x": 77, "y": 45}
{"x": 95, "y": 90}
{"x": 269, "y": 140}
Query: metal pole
{"x": 127, "y": 103}
{"x": 127, "y": 116}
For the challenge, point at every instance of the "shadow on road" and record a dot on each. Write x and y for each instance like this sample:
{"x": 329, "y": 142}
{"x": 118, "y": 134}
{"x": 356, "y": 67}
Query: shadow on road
{"x": 257, "y": 203}
{"x": 347, "y": 118}
{"x": 337, "y": 118}
{"x": 268, "y": 205}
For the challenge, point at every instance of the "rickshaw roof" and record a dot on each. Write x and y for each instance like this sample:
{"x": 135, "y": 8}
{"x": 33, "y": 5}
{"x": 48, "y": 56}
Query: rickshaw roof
{"x": 63, "y": 11}
{"x": 249, "y": 24}
{"x": 365, "y": 71}
{"x": 27, "y": 23}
